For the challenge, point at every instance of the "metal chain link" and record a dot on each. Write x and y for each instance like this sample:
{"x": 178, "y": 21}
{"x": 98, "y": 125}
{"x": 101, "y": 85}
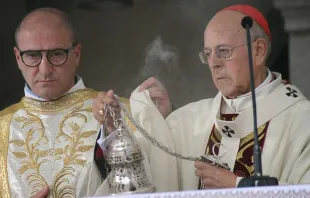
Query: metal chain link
{"x": 157, "y": 143}
{"x": 151, "y": 138}
{"x": 117, "y": 123}
{"x": 111, "y": 111}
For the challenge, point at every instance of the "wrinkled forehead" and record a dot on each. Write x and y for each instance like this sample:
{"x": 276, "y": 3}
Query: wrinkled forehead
{"x": 224, "y": 29}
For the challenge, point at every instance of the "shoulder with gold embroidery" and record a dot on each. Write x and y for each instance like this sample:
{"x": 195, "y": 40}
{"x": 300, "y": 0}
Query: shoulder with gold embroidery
{"x": 93, "y": 93}
{"x": 11, "y": 109}
{"x": 87, "y": 92}
{"x": 5, "y": 120}
{"x": 64, "y": 102}
{"x": 126, "y": 102}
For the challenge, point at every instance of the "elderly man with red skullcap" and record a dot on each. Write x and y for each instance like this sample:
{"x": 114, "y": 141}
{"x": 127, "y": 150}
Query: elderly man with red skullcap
{"x": 223, "y": 125}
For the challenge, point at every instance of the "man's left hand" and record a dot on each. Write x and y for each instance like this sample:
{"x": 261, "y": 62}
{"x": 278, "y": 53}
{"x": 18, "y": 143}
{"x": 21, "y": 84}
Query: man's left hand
{"x": 215, "y": 177}
{"x": 158, "y": 94}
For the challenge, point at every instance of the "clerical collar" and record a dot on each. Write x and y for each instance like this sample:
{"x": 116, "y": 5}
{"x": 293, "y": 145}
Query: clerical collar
{"x": 79, "y": 84}
{"x": 240, "y": 103}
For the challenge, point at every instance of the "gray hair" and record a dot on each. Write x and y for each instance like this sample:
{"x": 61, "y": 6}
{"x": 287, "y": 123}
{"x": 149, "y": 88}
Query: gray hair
{"x": 63, "y": 17}
{"x": 257, "y": 32}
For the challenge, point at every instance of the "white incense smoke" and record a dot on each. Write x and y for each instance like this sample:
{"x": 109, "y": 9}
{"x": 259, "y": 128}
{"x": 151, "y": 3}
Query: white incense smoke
{"x": 162, "y": 62}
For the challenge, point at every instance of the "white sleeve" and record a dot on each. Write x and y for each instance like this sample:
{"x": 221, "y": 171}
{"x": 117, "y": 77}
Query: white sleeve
{"x": 101, "y": 137}
{"x": 103, "y": 140}
{"x": 161, "y": 166}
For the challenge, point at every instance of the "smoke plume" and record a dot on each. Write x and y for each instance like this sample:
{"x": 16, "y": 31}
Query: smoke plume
{"x": 160, "y": 61}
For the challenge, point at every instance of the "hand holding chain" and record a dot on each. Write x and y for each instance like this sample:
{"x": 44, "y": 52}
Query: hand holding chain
{"x": 213, "y": 159}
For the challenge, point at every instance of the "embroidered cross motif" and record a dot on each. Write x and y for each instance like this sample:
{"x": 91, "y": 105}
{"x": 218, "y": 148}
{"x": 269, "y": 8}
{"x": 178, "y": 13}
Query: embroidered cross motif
{"x": 292, "y": 92}
{"x": 228, "y": 131}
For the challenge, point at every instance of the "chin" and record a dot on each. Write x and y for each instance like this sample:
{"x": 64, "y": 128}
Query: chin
{"x": 227, "y": 90}
{"x": 228, "y": 93}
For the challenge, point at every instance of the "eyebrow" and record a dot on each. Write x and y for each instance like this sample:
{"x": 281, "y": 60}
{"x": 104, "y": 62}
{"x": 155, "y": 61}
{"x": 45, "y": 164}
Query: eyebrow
{"x": 220, "y": 45}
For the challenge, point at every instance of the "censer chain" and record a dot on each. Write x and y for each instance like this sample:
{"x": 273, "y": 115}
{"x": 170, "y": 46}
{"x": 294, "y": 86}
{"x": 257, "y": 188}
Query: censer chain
{"x": 151, "y": 138}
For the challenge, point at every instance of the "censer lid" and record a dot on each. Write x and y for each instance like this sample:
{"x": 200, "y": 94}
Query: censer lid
{"x": 123, "y": 148}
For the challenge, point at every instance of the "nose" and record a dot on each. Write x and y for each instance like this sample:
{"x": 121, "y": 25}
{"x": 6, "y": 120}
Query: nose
{"x": 45, "y": 66}
{"x": 214, "y": 61}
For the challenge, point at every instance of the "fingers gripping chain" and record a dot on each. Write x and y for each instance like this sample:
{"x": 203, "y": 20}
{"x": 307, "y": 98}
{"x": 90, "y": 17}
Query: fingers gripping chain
{"x": 150, "y": 138}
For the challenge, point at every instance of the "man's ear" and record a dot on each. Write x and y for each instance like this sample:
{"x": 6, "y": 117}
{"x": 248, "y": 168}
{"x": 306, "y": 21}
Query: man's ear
{"x": 260, "y": 51}
{"x": 77, "y": 52}
{"x": 17, "y": 56}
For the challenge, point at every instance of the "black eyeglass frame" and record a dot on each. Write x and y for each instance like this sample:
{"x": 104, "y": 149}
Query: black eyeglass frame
{"x": 65, "y": 50}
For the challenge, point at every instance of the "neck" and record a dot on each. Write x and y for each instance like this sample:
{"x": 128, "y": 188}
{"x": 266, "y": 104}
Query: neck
{"x": 259, "y": 79}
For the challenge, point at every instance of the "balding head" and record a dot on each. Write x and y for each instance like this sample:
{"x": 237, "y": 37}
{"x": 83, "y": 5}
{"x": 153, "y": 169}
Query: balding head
{"x": 226, "y": 52}
{"x": 46, "y": 18}
{"x": 226, "y": 22}
{"x": 47, "y": 53}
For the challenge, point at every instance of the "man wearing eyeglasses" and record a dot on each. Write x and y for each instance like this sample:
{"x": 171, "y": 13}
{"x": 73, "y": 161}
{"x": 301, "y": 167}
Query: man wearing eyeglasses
{"x": 223, "y": 126}
{"x": 48, "y": 140}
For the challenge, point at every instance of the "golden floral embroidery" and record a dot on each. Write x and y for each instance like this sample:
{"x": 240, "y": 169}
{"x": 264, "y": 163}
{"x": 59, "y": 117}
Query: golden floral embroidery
{"x": 27, "y": 149}
{"x": 33, "y": 157}
{"x": 72, "y": 151}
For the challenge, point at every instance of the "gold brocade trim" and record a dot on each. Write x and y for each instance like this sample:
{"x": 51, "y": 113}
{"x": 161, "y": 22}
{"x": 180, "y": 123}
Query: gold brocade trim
{"x": 250, "y": 140}
{"x": 69, "y": 100}
{"x": 249, "y": 137}
{"x": 126, "y": 102}
{"x": 61, "y": 103}
{"x": 4, "y": 136}
{"x": 245, "y": 143}
{"x": 219, "y": 138}
{"x": 5, "y": 121}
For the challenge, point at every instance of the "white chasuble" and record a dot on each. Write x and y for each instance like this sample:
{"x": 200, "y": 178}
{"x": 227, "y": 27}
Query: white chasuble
{"x": 49, "y": 143}
{"x": 283, "y": 113}
{"x": 233, "y": 131}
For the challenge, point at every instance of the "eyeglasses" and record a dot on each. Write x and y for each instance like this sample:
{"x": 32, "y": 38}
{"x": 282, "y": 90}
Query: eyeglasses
{"x": 222, "y": 52}
{"x": 57, "y": 57}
